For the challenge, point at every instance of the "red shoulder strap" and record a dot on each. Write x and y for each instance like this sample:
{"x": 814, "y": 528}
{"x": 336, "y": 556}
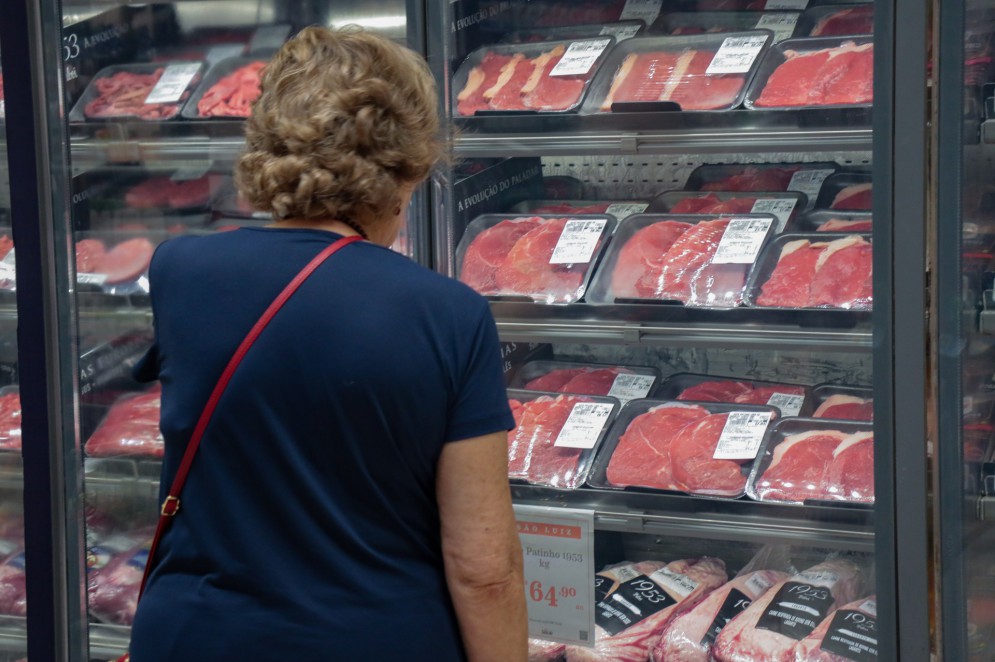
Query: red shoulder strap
{"x": 172, "y": 503}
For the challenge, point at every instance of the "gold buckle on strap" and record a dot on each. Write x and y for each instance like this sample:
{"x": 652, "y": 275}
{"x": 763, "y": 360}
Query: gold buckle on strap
{"x": 170, "y": 506}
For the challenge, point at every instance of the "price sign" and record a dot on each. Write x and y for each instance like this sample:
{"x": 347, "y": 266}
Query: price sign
{"x": 630, "y": 387}
{"x": 782, "y": 208}
{"x": 741, "y": 436}
{"x": 644, "y": 10}
{"x": 577, "y": 241}
{"x": 809, "y": 182}
{"x": 584, "y": 425}
{"x": 782, "y": 25}
{"x": 558, "y": 550}
{"x": 620, "y": 32}
{"x": 173, "y": 83}
{"x": 786, "y": 4}
{"x": 621, "y": 210}
{"x": 736, "y": 55}
{"x": 742, "y": 240}
{"x": 580, "y": 57}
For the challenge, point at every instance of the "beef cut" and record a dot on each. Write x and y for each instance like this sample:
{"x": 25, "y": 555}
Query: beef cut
{"x": 690, "y": 636}
{"x": 827, "y": 465}
{"x": 233, "y": 95}
{"x": 532, "y": 455}
{"x": 526, "y": 268}
{"x": 855, "y": 20}
{"x": 835, "y": 274}
{"x": 165, "y": 193}
{"x": 643, "y": 256}
{"x": 856, "y": 197}
{"x": 6, "y": 243}
{"x": 850, "y": 475}
{"x": 488, "y": 251}
{"x": 840, "y": 225}
{"x": 10, "y": 421}
{"x": 789, "y": 284}
{"x": 482, "y": 79}
{"x": 677, "y": 76}
{"x": 585, "y": 381}
{"x": 754, "y": 179}
{"x": 832, "y": 76}
{"x": 13, "y": 586}
{"x": 131, "y": 427}
{"x": 573, "y": 208}
{"x": 713, "y": 204}
{"x": 770, "y": 627}
{"x": 628, "y": 627}
{"x": 846, "y": 407}
{"x": 642, "y": 455}
{"x": 126, "y": 261}
{"x": 694, "y": 467}
{"x": 849, "y": 633}
{"x": 737, "y": 392}
{"x": 123, "y": 94}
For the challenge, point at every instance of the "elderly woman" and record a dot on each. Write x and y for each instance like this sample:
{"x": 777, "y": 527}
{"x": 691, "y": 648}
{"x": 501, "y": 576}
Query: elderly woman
{"x": 349, "y": 500}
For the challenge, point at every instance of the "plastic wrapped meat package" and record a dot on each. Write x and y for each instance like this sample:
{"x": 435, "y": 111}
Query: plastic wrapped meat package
{"x": 815, "y": 459}
{"x": 112, "y": 589}
{"x": 546, "y": 259}
{"x": 622, "y": 382}
{"x": 693, "y": 260}
{"x": 10, "y": 419}
{"x": 232, "y": 94}
{"x": 167, "y": 194}
{"x": 125, "y": 91}
{"x": 555, "y": 436}
{"x": 115, "y": 267}
{"x": 847, "y": 403}
{"x": 545, "y": 651}
{"x": 635, "y": 602}
{"x": 785, "y": 205}
{"x": 131, "y": 427}
{"x": 816, "y": 73}
{"x": 620, "y": 209}
{"x": 13, "y": 586}
{"x": 849, "y": 633}
{"x": 812, "y": 271}
{"x": 790, "y": 399}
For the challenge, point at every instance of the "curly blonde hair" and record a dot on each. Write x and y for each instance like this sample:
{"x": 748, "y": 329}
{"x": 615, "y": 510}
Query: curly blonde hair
{"x": 344, "y": 119}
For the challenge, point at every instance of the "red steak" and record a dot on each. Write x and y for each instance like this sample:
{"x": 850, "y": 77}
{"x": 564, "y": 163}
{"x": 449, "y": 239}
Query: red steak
{"x": 506, "y": 94}
{"x": 789, "y": 85}
{"x": 646, "y": 77}
{"x": 797, "y": 470}
{"x": 683, "y": 264}
{"x": 89, "y": 254}
{"x": 712, "y": 204}
{"x": 839, "y": 225}
{"x": 554, "y": 380}
{"x": 856, "y": 197}
{"x": 488, "y": 251}
{"x": 718, "y": 391}
{"x": 123, "y": 95}
{"x": 850, "y": 476}
{"x": 593, "y": 382}
{"x": 233, "y": 95}
{"x": 10, "y": 421}
{"x": 846, "y": 407}
{"x": 643, "y": 256}
{"x": 545, "y": 92}
{"x": 790, "y": 282}
{"x": 833, "y": 76}
{"x": 482, "y": 78}
{"x": 697, "y": 90}
{"x": 526, "y": 269}
{"x": 642, "y": 456}
{"x": 760, "y": 395}
{"x": 754, "y": 179}
{"x": 126, "y": 261}
{"x": 843, "y": 275}
{"x": 131, "y": 427}
{"x": 693, "y": 465}
{"x": 855, "y": 20}
{"x": 531, "y": 451}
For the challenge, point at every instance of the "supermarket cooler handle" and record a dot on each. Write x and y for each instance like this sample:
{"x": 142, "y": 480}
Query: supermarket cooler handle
{"x": 171, "y": 505}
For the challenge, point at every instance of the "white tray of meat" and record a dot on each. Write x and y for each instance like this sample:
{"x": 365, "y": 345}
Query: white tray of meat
{"x": 690, "y": 636}
{"x": 544, "y": 77}
{"x": 620, "y": 209}
{"x": 556, "y": 436}
{"x": 827, "y": 220}
{"x": 121, "y": 91}
{"x": 693, "y": 260}
{"x": 819, "y": 271}
{"x": 784, "y": 205}
{"x": 821, "y": 72}
{"x": 677, "y": 73}
{"x": 115, "y": 262}
{"x": 846, "y": 403}
{"x": 788, "y": 399}
{"x": 622, "y": 382}
{"x": 10, "y": 419}
{"x": 131, "y": 427}
{"x": 772, "y": 626}
{"x": 638, "y": 600}
{"x": 836, "y": 21}
{"x": 112, "y": 591}
{"x": 672, "y": 446}
{"x": 813, "y": 459}
{"x": 540, "y": 258}
{"x": 228, "y": 90}
{"x": 850, "y": 633}
{"x": 847, "y": 191}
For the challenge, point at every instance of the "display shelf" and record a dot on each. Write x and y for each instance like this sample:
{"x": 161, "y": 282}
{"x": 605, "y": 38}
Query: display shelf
{"x": 108, "y": 641}
{"x": 840, "y": 527}
{"x": 675, "y": 325}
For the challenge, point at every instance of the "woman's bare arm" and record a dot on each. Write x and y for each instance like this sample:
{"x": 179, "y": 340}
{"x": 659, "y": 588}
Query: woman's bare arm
{"x": 480, "y": 546}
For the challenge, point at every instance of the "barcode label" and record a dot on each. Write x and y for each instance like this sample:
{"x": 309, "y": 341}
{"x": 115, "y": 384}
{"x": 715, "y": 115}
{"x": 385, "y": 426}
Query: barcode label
{"x": 741, "y": 436}
{"x": 782, "y": 208}
{"x": 736, "y": 55}
{"x": 630, "y": 387}
{"x": 173, "y": 83}
{"x": 786, "y": 4}
{"x": 91, "y": 279}
{"x": 620, "y": 32}
{"x": 809, "y": 182}
{"x": 621, "y": 210}
{"x": 644, "y": 10}
{"x": 742, "y": 241}
{"x": 674, "y": 582}
{"x": 580, "y": 57}
{"x": 790, "y": 404}
{"x": 782, "y": 25}
{"x": 584, "y": 425}
{"x": 577, "y": 241}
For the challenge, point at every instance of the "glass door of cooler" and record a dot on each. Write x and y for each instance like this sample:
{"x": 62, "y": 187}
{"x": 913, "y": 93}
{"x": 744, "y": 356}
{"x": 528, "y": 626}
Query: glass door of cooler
{"x": 684, "y": 216}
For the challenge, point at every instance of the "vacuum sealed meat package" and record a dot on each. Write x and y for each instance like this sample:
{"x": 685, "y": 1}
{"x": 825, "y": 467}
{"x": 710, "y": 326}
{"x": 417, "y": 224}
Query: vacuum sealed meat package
{"x": 116, "y": 268}
{"x": 131, "y": 427}
{"x": 149, "y": 92}
{"x": 113, "y": 590}
{"x": 851, "y": 633}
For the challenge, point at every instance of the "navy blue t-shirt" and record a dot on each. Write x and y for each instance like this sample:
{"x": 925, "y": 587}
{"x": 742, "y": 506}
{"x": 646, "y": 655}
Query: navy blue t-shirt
{"x": 309, "y": 528}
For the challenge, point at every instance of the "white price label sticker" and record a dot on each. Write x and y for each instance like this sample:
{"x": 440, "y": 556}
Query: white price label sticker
{"x": 790, "y": 404}
{"x": 580, "y": 57}
{"x": 173, "y": 83}
{"x": 584, "y": 425}
{"x": 620, "y": 32}
{"x": 91, "y": 279}
{"x": 869, "y": 606}
{"x": 758, "y": 583}
{"x": 782, "y": 25}
{"x": 782, "y": 208}
{"x": 674, "y": 582}
{"x": 736, "y": 55}
{"x": 742, "y": 240}
{"x": 644, "y": 10}
{"x": 621, "y": 210}
{"x": 786, "y": 4}
{"x": 558, "y": 555}
{"x": 741, "y": 436}
{"x": 630, "y": 387}
{"x": 809, "y": 182}
{"x": 577, "y": 241}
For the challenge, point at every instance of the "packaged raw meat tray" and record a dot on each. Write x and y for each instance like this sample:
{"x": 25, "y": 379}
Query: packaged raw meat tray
{"x": 693, "y": 260}
{"x": 812, "y": 459}
{"x": 152, "y": 92}
{"x": 705, "y": 449}
{"x": 847, "y": 191}
{"x": 781, "y": 23}
{"x": 548, "y": 259}
{"x": 848, "y": 403}
{"x": 620, "y": 209}
{"x": 785, "y": 206}
{"x": 804, "y": 178}
{"x": 556, "y": 436}
{"x": 548, "y": 77}
{"x": 828, "y": 220}
{"x": 622, "y": 382}
{"x": 837, "y": 20}
{"x": 820, "y": 72}
{"x": 621, "y": 30}
{"x": 115, "y": 262}
{"x": 789, "y": 399}
{"x": 147, "y": 195}
{"x": 698, "y": 72}
{"x": 10, "y": 419}
{"x": 228, "y": 90}
{"x": 819, "y": 270}
{"x": 130, "y": 428}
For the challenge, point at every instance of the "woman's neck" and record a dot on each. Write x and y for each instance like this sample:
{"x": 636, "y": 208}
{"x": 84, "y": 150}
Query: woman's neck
{"x": 331, "y": 225}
